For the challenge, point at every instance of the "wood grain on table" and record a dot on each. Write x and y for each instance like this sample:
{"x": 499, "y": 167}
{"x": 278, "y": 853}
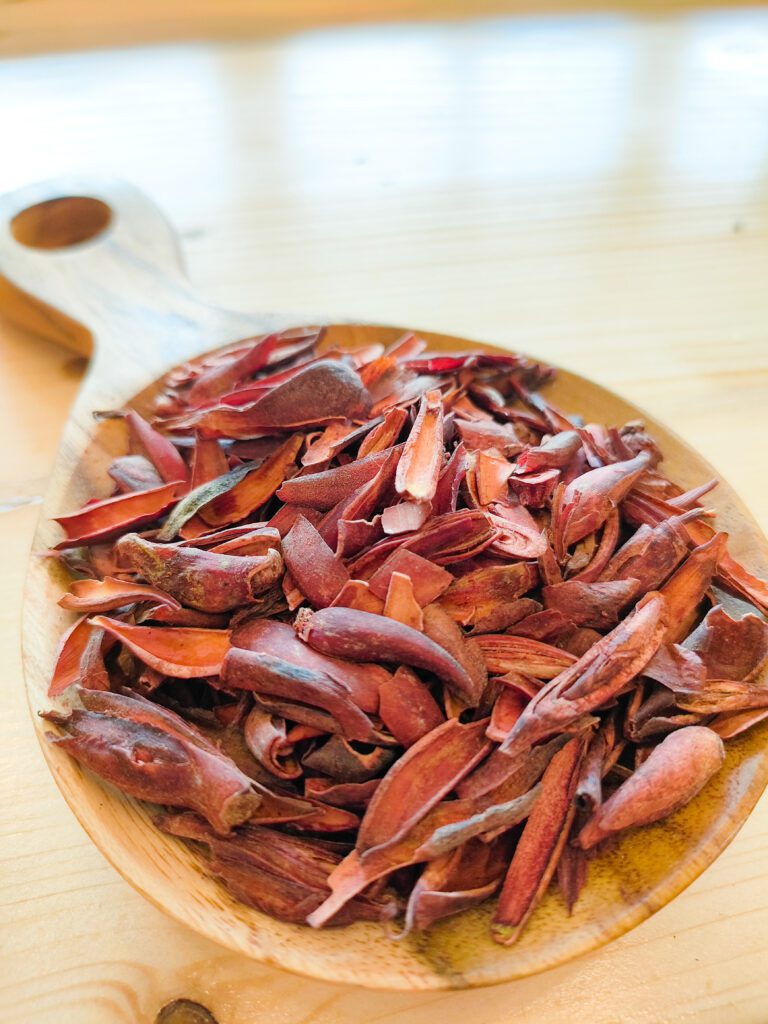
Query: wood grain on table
{"x": 593, "y": 189}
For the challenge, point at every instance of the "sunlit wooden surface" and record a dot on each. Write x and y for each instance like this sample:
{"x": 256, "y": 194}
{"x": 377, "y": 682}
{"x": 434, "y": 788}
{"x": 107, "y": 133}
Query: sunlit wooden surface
{"x": 592, "y": 189}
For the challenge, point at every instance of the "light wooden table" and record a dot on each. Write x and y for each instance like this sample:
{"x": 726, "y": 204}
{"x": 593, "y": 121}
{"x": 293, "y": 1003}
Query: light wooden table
{"x": 591, "y": 189}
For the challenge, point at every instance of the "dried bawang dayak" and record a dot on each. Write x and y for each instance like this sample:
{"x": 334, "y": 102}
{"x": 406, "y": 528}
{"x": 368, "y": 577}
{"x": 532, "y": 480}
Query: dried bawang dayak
{"x": 351, "y": 612}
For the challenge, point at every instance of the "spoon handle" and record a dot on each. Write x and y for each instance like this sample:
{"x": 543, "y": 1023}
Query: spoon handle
{"x": 94, "y": 264}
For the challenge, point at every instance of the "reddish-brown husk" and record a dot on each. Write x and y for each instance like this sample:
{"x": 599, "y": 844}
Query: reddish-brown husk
{"x": 461, "y": 547}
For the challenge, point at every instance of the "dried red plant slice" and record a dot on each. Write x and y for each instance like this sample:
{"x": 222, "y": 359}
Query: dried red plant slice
{"x": 449, "y": 482}
{"x": 341, "y": 794}
{"x": 420, "y": 463}
{"x": 161, "y": 452}
{"x": 319, "y": 575}
{"x": 650, "y": 555}
{"x": 453, "y": 883}
{"x": 152, "y": 754}
{"x": 547, "y": 626}
{"x": 588, "y": 500}
{"x": 429, "y": 580}
{"x": 361, "y": 636}
{"x": 265, "y": 737}
{"x": 362, "y": 680}
{"x": 673, "y": 773}
{"x": 109, "y": 593}
{"x": 333, "y": 440}
{"x": 246, "y": 541}
{"x": 506, "y": 711}
{"x": 71, "y": 649}
{"x": 357, "y": 594}
{"x": 266, "y": 674}
{"x": 597, "y": 678}
{"x": 385, "y": 434}
{"x": 326, "y": 489}
{"x": 554, "y": 453}
{"x": 279, "y": 874}
{"x": 534, "y": 490}
{"x": 730, "y": 648}
{"x": 363, "y": 502}
{"x": 204, "y": 580}
{"x": 420, "y": 779}
{"x": 491, "y": 475}
{"x": 734, "y": 723}
{"x": 341, "y": 761}
{"x": 407, "y": 708}
{"x": 134, "y": 473}
{"x": 400, "y": 603}
{"x": 250, "y": 493}
{"x": 104, "y": 520}
{"x": 519, "y": 536}
{"x": 222, "y": 377}
{"x": 440, "y": 627}
{"x": 473, "y": 597}
{"x": 481, "y": 434}
{"x": 598, "y": 605}
{"x": 405, "y": 517}
{"x": 209, "y": 461}
{"x": 504, "y": 653}
{"x": 685, "y": 589}
{"x": 538, "y": 851}
{"x": 179, "y": 652}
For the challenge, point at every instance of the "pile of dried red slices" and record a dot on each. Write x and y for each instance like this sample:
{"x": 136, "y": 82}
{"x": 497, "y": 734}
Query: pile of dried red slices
{"x": 388, "y": 632}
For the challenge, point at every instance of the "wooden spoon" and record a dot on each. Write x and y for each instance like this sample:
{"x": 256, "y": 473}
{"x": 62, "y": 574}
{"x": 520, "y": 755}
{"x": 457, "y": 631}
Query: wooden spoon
{"x": 98, "y": 257}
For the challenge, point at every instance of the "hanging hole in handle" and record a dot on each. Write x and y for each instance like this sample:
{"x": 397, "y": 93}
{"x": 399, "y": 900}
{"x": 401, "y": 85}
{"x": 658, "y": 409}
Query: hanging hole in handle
{"x": 61, "y": 223}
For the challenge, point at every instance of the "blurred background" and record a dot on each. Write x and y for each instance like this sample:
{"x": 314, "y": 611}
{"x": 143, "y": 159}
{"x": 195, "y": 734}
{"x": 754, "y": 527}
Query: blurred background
{"x": 588, "y": 183}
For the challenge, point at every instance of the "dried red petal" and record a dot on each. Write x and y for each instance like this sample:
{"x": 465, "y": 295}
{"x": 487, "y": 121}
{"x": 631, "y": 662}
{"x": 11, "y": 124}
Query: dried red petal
{"x": 104, "y": 595}
{"x": 538, "y": 851}
{"x": 670, "y": 777}
{"x": 203, "y": 580}
{"x": 103, "y": 520}
{"x": 359, "y": 636}
{"x": 407, "y": 708}
{"x": 182, "y": 653}
{"x": 319, "y": 575}
{"x": 421, "y": 778}
{"x": 163, "y": 455}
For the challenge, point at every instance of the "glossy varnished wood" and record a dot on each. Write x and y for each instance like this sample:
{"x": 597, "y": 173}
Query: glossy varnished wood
{"x": 590, "y": 189}
{"x": 124, "y": 285}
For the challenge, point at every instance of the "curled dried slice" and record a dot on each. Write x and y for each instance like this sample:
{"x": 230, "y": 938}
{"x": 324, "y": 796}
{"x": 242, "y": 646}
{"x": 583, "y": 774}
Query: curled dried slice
{"x": 103, "y": 520}
{"x": 109, "y": 593}
{"x": 671, "y": 775}
{"x": 267, "y": 674}
{"x": 420, "y": 779}
{"x": 541, "y": 844}
{"x": 179, "y": 652}
{"x": 267, "y": 636}
{"x": 154, "y": 755}
{"x": 361, "y": 636}
{"x": 319, "y": 575}
{"x": 420, "y": 463}
{"x": 204, "y": 580}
